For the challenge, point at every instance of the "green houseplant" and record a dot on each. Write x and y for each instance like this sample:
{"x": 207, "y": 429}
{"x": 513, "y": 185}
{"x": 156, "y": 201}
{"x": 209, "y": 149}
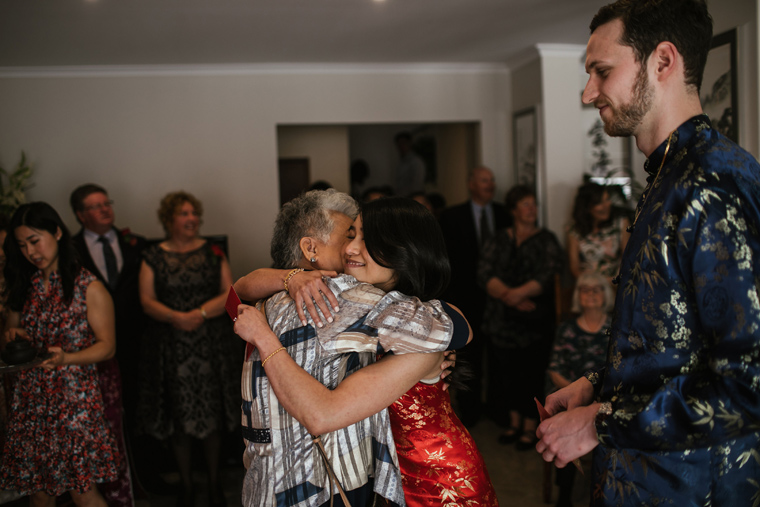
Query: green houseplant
{"x": 13, "y": 184}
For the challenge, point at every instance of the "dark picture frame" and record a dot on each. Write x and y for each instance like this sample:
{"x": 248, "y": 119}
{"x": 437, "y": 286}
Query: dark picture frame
{"x": 525, "y": 147}
{"x": 718, "y": 95}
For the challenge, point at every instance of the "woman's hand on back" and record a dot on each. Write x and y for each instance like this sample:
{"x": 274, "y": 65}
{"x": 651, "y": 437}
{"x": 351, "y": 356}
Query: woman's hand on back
{"x": 308, "y": 288}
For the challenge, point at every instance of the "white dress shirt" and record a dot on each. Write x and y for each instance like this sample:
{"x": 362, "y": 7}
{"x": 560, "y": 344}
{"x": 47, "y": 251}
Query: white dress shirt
{"x": 96, "y": 250}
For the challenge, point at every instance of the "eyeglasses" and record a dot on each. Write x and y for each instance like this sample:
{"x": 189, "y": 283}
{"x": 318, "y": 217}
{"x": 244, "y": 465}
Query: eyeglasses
{"x": 591, "y": 290}
{"x": 101, "y": 205}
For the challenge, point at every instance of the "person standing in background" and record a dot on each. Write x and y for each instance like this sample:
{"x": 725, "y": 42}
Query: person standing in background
{"x": 113, "y": 256}
{"x": 517, "y": 270}
{"x": 466, "y": 228}
{"x": 410, "y": 173}
{"x": 189, "y": 374}
{"x": 597, "y": 236}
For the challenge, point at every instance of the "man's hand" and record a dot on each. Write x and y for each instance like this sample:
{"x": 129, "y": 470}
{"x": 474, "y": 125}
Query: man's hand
{"x": 308, "y": 288}
{"x": 578, "y": 394}
{"x": 568, "y": 435}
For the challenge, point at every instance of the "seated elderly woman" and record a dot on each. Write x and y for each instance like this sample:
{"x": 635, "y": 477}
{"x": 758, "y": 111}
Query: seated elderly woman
{"x": 368, "y": 319}
{"x": 581, "y": 345}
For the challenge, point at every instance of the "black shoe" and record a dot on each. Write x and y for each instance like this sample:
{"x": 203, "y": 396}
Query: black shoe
{"x": 523, "y": 445}
{"x": 509, "y": 436}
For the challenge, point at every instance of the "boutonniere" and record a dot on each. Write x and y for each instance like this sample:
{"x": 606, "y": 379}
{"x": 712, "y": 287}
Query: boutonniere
{"x": 218, "y": 253}
{"x": 127, "y": 236}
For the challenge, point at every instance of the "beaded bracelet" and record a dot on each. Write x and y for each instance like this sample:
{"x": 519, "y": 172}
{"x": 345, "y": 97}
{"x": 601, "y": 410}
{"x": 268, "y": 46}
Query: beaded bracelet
{"x": 270, "y": 356}
{"x": 291, "y": 275}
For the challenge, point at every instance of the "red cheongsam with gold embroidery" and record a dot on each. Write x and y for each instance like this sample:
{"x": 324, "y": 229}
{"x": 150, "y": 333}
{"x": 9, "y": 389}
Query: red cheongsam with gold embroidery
{"x": 439, "y": 461}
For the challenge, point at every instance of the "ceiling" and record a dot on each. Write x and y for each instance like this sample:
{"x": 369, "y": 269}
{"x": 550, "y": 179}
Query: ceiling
{"x": 44, "y": 33}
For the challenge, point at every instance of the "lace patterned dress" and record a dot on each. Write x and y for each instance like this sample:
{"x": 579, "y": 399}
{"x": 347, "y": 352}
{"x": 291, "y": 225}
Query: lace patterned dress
{"x": 440, "y": 463}
{"x": 58, "y": 437}
{"x": 190, "y": 380}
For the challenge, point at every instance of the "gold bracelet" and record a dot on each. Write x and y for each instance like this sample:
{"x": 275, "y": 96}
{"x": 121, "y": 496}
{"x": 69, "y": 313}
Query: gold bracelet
{"x": 270, "y": 356}
{"x": 291, "y": 275}
{"x": 203, "y": 312}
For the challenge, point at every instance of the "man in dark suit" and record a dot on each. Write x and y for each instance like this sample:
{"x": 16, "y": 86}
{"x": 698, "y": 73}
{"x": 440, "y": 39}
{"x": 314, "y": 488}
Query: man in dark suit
{"x": 465, "y": 228}
{"x": 96, "y": 242}
{"x": 114, "y": 256}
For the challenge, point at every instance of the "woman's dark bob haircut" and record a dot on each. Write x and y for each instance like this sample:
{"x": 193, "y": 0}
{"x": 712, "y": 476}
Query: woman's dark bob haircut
{"x": 401, "y": 234}
{"x": 19, "y": 271}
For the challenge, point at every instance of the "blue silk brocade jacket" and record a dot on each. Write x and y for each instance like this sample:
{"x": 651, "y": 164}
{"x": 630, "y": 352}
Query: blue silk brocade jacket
{"x": 683, "y": 368}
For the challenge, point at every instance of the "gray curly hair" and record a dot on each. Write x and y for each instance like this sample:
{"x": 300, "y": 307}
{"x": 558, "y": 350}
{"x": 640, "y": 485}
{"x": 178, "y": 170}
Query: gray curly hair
{"x": 309, "y": 214}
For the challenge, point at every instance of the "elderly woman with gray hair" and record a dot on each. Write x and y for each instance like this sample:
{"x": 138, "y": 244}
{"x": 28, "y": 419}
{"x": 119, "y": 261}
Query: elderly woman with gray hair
{"x": 581, "y": 345}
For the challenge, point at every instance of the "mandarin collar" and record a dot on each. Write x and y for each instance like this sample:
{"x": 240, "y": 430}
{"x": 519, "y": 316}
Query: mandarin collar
{"x": 681, "y": 137}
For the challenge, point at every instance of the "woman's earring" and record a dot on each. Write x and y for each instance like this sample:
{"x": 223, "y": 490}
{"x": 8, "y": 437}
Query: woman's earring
{"x": 313, "y": 259}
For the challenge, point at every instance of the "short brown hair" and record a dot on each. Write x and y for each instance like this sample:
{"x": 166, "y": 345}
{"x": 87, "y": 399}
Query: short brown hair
{"x": 171, "y": 202}
{"x": 685, "y": 23}
{"x": 81, "y": 193}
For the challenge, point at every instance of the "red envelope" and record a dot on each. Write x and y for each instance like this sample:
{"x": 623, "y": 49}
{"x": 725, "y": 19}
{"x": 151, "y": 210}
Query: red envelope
{"x": 232, "y": 303}
{"x": 542, "y": 413}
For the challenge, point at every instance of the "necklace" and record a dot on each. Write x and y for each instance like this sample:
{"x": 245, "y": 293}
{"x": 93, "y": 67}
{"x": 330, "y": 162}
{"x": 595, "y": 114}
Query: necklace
{"x": 657, "y": 175}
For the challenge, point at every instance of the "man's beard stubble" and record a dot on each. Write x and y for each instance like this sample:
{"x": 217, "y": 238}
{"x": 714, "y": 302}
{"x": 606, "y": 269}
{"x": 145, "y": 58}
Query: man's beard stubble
{"x": 625, "y": 120}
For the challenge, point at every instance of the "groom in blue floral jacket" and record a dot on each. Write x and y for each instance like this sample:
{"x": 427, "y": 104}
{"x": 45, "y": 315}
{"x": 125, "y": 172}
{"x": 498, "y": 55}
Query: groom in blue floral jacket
{"x": 674, "y": 417}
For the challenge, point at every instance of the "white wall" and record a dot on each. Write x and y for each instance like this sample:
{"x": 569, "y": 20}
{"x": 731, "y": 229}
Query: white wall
{"x": 213, "y": 132}
{"x": 326, "y": 147}
{"x": 564, "y": 134}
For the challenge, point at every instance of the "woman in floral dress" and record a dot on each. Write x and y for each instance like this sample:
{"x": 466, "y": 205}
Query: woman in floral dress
{"x": 597, "y": 237}
{"x": 189, "y": 370}
{"x": 58, "y": 438}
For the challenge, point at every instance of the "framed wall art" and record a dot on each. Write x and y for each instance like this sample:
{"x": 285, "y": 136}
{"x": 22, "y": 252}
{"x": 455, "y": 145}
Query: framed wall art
{"x": 526, "y": 148}
{"x": 718, "y": 94}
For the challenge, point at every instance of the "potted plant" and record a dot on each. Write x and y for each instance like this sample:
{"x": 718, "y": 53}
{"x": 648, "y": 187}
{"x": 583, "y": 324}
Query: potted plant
{"x": 13, "y": 184}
